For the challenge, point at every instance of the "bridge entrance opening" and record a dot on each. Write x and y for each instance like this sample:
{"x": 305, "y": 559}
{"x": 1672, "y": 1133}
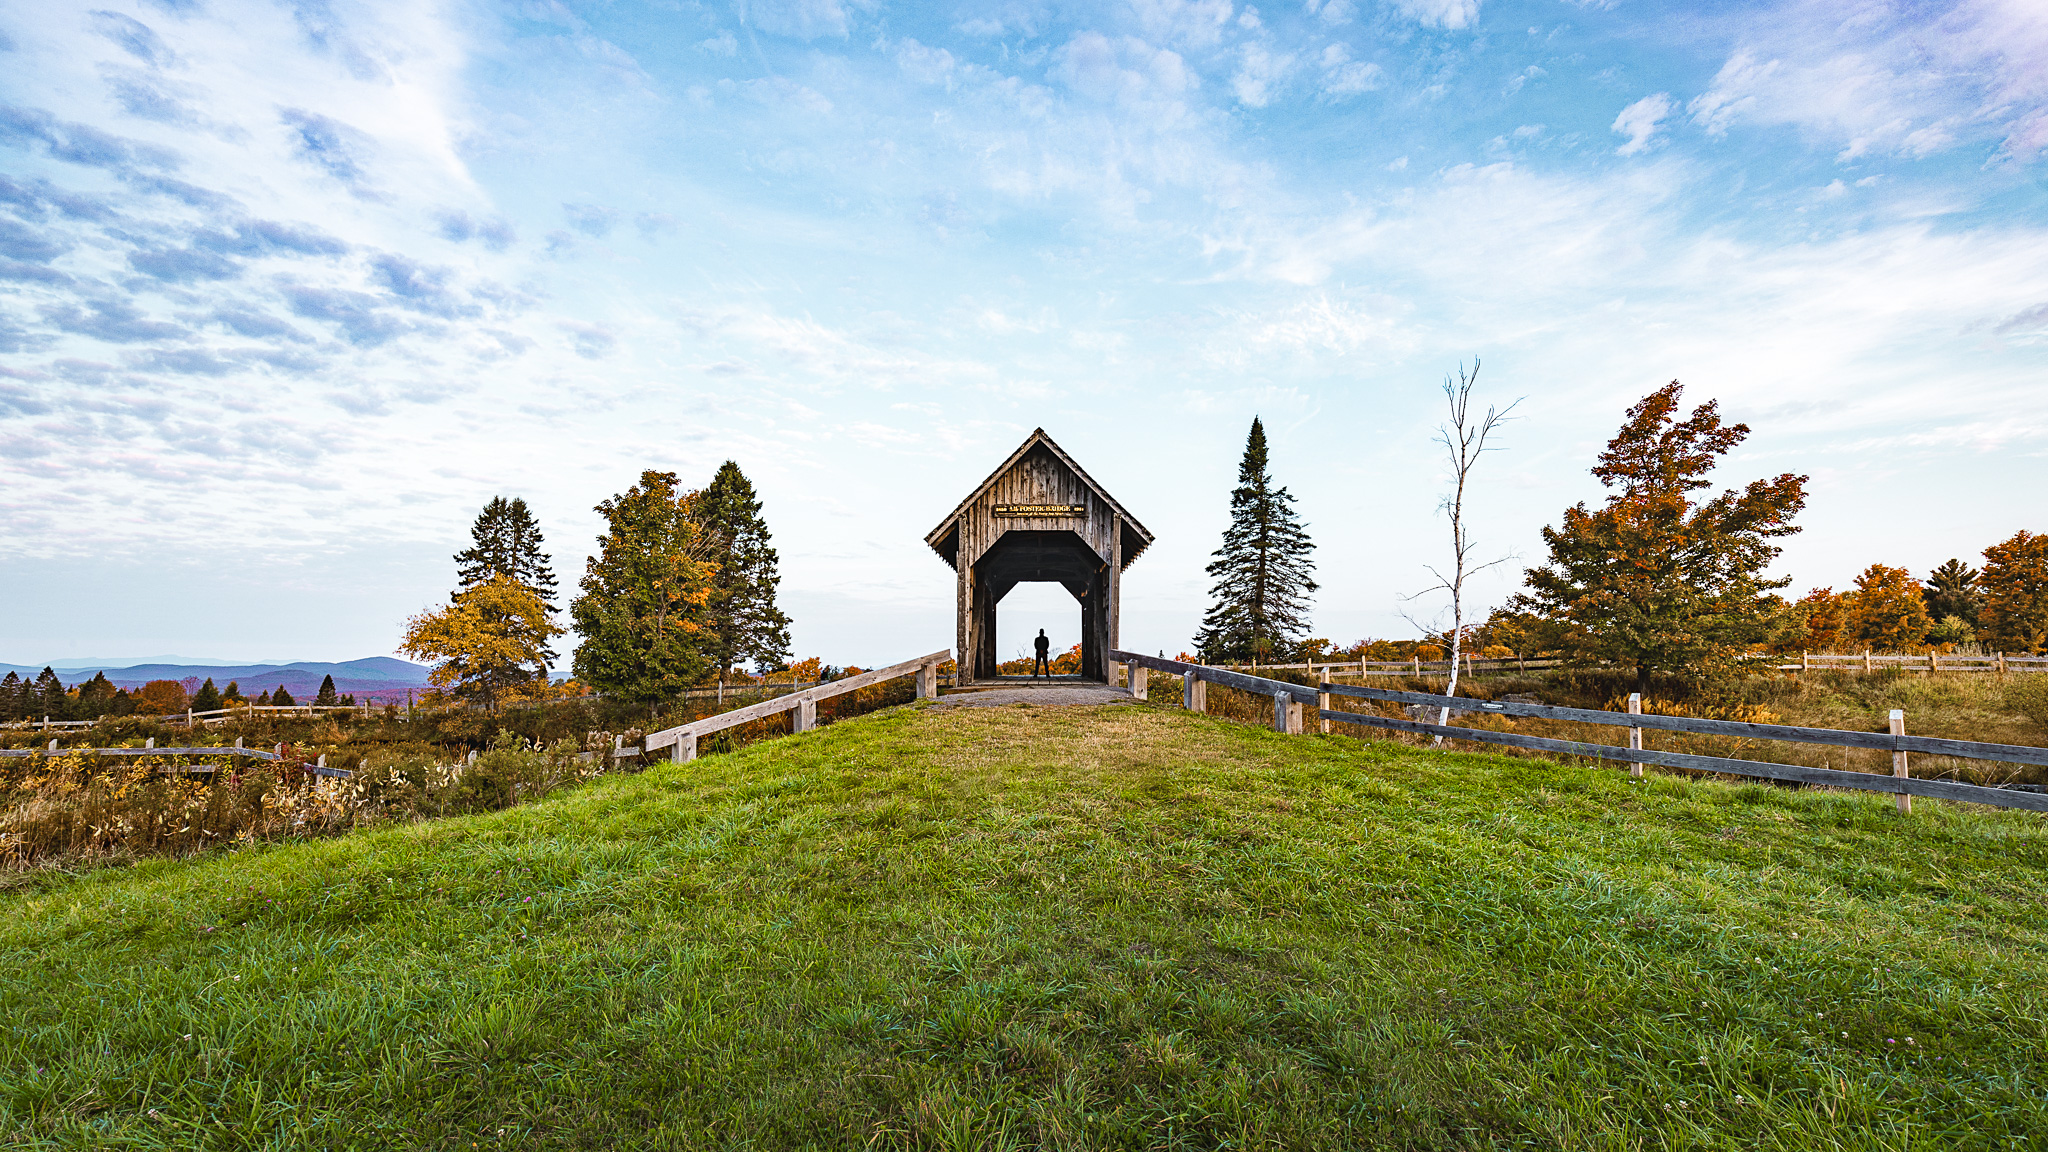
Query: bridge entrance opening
{"x": 1037, "y": 519}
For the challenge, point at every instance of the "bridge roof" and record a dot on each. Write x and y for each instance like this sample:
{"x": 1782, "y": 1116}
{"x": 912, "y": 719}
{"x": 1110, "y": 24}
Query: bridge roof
{"x": 938, "y": 535}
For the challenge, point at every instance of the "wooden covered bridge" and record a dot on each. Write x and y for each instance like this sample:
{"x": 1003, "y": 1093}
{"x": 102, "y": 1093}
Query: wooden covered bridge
{"x": 1038, "y": 517}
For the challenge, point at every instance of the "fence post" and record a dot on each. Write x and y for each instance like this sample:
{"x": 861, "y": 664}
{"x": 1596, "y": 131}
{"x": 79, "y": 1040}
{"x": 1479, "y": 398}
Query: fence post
{"x": 1323, "y": 705}
{"x": 927, "y": 681}
{"x": 1899, "y": 758}
{"x": 1802, "y": 662}
{"x": 1280, "y": 701}
{"x": 1933, "y": 661}
{"x": 149, "y": 743}
{"x": 1138, "y": 674}
{"x": 1418, "y": 666}
{"x": 1194, "y": 692}
{"x": 238, "y": 741}
{"x": 1635, "y": 735}
{"x": 1866, "y": 659}
{"x": 806, "y": 714}
{"x": 53, "y": 747}
{"x": 686, "y": 747}
{"x": 2001, "y": 663}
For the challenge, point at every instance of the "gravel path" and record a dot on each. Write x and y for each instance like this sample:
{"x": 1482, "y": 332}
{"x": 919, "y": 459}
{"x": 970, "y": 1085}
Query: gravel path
{"x": 1049, "y": 697}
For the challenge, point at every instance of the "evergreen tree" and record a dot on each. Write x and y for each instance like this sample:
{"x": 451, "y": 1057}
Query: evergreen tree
{"x": 12, "y": 705}
{"x": 1259, "y": 603}
{"x": 1952, "y": 590}
{"x": 641, "y": 612}
{"x": 507, "y": 543}
{"x": 207, "y": 698}
{"x": 95, "y": 697}
{"x": 50, "y": 698}
{"x": 231, "y": 693}
{"x": 263, "y": 700}
{"x": 282, "y": 698}
{"x": 326, "y": 697}
{"x": 124, "y": 703}
{"x": 745, "y": 624}
{"x": 1654, "y": 580}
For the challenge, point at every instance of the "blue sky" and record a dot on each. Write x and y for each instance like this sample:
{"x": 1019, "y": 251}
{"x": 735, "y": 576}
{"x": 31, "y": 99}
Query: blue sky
{"x": 288, "y": 291}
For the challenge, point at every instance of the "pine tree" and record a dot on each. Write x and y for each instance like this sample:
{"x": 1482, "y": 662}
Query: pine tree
{"x": 12, "y": 706}
{"x": 207, "y": 698}
{"x": 326, "y": 697}
{"x": 263, "y": 700}
{"x": 1259, "y": 604}
{"x": 231, "y": 693}
{"x": 50, "y": 697}
{"x": 745, "y": 624}
{"x": 1952, "y": 590}
{"x": 1655, "y": 580}
{"x": 507, "y": 543}
{"x": 282, "y": 698}
{"x": 641, "y": 610}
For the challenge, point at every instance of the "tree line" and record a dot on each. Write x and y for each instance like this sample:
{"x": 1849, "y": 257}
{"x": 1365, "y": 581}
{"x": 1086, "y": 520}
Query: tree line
{"x": 682, "y": 588}
{"x": 1662, "y": 577}
{"x": 45, "y": 694}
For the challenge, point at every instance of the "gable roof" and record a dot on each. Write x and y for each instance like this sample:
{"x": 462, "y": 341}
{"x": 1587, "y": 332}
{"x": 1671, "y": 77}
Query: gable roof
{"x": 1037, "y": 438}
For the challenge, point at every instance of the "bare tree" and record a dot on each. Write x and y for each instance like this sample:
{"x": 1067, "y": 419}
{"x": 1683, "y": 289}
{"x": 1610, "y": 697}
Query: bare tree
{"x": 1464, "y": 438}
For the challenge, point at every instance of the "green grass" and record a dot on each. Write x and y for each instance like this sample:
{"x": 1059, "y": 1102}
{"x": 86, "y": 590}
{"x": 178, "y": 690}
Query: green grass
{"x": 1111, "y": 928}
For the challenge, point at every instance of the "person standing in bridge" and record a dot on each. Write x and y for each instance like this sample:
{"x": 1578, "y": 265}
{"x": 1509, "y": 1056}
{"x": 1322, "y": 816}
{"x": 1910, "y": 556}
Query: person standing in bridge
{"x": 1043, "y": 646}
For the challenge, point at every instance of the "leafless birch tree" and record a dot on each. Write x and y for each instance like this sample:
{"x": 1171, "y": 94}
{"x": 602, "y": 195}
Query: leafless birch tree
{"x": 1464, "y": 438}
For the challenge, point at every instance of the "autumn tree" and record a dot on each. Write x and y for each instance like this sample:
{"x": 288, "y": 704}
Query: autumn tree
{"x": 1886, "y": 610}
{"x": 641, "y": 612}
{"x": 490, "y": 641}
{"x": 1655, "y": 580}
{"x": 1820, "y": 621}
{"x": 1259, "y": 603}
{"x": 744, "y": 623}
{"x": 2015, "y": 583}
{"x": 160, "y": 698}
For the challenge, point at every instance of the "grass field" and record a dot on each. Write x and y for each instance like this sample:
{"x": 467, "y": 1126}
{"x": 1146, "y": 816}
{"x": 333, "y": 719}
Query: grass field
{"x": 1123, "y": 927}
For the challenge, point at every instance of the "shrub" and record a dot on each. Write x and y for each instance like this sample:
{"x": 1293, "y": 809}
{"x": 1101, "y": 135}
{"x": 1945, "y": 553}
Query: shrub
{"x": 2028, "y": 696}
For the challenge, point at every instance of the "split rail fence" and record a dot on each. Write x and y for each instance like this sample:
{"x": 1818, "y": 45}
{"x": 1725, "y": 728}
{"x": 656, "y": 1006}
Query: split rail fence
{"x": 1414, "y": 666}
{"x": 318, "y": 767}
{"x": 1290, "y": 702}
{"x": 683, "y": 737}
{"x": 1931, "y": 662}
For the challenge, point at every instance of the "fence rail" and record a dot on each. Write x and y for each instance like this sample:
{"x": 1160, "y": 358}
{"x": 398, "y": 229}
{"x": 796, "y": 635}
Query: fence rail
{"x": 683, "y": 737}
{"x": 1290, "y": 700}
{"x": 1415, "y": 666}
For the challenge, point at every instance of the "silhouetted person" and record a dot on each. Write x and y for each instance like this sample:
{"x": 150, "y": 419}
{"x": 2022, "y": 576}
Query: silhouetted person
{"x": 1042, "y": 645}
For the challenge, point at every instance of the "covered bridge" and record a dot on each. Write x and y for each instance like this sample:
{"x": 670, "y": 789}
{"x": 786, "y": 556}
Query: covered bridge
{"x": 1038, "y": 517}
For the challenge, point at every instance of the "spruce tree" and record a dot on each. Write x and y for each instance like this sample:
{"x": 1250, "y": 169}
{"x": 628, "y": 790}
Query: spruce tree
{"x": 641, "y": 611}
{"x": 50, "y": 698}
{"x": 232, "y": 692}
{"x": 207, "y": 698}
{"x": 11, "y": 704}
{"x": 507, "y": 543}
{"x": 745, "y": 623}
{"x": 1259, "y": 603}
{"x": 1952, "y": 590}
{"x": 263, "y": 700}
{"x": 326, "y": 697}
{"x": 282, "y": 698}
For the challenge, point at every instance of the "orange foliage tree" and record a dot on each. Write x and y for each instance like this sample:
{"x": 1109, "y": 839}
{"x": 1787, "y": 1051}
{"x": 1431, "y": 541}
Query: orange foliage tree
{"x": 1887, "y": 611}
{"x": 2015, "y": 583}
{"x": 160, "y": 697}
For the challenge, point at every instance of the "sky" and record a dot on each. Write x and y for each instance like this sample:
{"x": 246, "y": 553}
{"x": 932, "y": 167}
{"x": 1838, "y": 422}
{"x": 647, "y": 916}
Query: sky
{"x": 288, "y": 291}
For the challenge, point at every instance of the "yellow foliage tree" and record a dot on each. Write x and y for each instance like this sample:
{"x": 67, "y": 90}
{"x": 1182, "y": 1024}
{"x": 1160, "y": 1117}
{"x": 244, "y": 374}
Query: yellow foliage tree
{"x": 490, "y": 642}
{"x": 1886, "y": 611}
{"x": 2016, "y": 593}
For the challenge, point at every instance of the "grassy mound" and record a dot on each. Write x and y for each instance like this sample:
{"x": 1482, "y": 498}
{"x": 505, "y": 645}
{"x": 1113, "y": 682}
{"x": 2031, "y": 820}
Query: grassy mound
{"x": 1073, "y": 928}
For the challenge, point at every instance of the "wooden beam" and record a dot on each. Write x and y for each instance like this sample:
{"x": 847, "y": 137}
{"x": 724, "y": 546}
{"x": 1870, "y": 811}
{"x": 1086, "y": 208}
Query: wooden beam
{"x": 668, "y": 737}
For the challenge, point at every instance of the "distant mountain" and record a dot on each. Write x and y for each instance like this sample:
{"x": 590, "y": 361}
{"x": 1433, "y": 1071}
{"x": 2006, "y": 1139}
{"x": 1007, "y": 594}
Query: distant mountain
{"x": 378, "y": 679}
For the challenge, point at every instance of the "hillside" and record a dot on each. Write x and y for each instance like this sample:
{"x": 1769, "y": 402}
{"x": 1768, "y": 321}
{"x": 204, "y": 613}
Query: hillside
{"x": 1118, "y": 927}
{"x": 378, "y": 678}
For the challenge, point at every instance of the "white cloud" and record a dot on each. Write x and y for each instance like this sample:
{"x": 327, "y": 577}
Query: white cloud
{"x": 1183, "y": 23}
{"x": 1451, "y": 14}
{"x": 1641, "y": 121}
{"x": 1343, "y": 76}
{"x": 1125, "y": 71}
{"x": 1259, "y": 71}
{"x": 1881, "y": 79}
{"x": 723, "y": 44}
{"x": 799, "y": 19}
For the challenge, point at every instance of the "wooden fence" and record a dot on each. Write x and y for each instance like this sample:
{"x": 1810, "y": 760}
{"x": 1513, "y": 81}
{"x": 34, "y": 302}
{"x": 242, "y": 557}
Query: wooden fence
{"x": 317, "y": 768}
{"x": 1414, "y": 666}
{"x": 683, "y": 737}
{"x": 1931, "y": 662}
{"x": 1291, "y": 700}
